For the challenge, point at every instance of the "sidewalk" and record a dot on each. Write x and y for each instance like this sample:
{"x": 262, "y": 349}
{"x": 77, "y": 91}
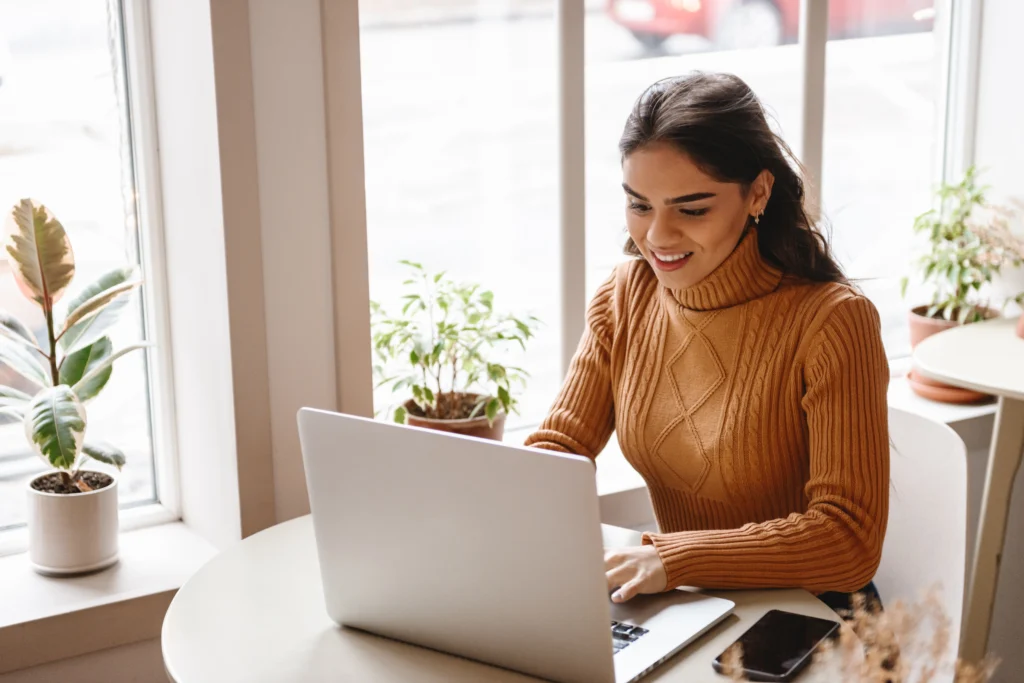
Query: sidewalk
{"x": 375, "y": 14}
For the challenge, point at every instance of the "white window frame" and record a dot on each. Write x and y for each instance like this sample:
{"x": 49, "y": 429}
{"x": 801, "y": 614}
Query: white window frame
{"x": 141, "y": 114}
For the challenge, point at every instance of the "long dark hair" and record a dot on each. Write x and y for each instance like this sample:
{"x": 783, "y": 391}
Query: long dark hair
{"x": 717, "y": 120}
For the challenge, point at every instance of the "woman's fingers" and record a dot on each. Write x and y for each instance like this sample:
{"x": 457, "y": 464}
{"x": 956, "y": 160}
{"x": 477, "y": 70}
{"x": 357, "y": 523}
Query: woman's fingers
{"x": 633, "y": 571}
{"x": 614, "y": 558}
{"x": 619, "y": 575}
{"x": 628, "y": 591}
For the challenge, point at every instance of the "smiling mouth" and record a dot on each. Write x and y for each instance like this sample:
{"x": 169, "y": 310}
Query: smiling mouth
{"x": 667, "y": 262}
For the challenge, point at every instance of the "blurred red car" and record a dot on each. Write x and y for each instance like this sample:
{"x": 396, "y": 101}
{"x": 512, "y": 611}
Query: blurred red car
{"x": 733, "y": 24}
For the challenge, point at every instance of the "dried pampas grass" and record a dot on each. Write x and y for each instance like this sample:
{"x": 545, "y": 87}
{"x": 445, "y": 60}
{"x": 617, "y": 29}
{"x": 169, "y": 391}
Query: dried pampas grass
{"x": 904, "y": 643}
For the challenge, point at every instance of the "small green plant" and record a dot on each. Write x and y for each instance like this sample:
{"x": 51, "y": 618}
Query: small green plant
{"x": 441, "y": 349}
{"x": 970, "y": 243}
{"x": 74, "y": 363}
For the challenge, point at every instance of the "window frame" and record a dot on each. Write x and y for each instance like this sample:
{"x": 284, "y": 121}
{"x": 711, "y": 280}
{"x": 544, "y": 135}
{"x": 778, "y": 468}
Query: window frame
{"x": 141, "y": 113}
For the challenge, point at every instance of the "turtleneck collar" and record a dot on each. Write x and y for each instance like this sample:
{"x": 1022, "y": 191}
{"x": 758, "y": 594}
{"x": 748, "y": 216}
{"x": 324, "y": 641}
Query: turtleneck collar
{"x": 742, "y": 277}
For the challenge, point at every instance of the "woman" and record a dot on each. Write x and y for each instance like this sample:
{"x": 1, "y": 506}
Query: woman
{"x": 744, "y": 376}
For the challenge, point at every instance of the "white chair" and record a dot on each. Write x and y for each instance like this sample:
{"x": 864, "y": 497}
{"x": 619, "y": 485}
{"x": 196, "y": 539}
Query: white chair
{"x": 926, "y": 540}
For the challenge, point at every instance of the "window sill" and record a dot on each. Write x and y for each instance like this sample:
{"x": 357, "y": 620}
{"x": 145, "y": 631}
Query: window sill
{"x": 46, "y": 619}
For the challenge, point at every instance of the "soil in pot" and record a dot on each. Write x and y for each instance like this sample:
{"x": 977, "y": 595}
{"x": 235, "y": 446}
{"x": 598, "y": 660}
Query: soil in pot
{"x": 54, "y": 483}
{"x": 456, "y": 408}
{"x": 450, "y": 406}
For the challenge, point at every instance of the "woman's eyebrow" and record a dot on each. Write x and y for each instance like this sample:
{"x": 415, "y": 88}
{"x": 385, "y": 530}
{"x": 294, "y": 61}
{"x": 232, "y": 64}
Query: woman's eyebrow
{"x": 683, "y": 199}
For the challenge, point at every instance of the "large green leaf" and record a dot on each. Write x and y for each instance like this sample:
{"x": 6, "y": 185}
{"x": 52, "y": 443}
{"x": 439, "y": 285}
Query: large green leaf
{"x": 25, "y": 362}
{"x": 102, "y": 366}
{"x": 13, "y": 400}
{"x": 14, "y": 331}
{"x": 55, "y": 426}
{"x": 83, "y": 361}
{"x": 97, "y": 306}
{"x": 40, "y": 251}
{"x": 104, "y": 452}
{"x": 13, "y": 328}
{"x": 12, "y": 394}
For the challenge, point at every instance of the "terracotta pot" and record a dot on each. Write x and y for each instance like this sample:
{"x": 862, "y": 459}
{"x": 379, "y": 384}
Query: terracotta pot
{"x": 922, "y": 327}
{"x": 72, "y": 533}
{"x": 477, "y": 426}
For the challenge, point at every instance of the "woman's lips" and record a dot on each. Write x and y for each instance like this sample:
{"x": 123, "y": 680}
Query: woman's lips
{"x": 670, "y": 262}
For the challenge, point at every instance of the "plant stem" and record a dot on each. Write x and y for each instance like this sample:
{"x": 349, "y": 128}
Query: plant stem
{"x": 433, "y": 339}
{"x": 66, "y": 479}
{"x": 54, "y": 370}
{"x": 455, "y": 369}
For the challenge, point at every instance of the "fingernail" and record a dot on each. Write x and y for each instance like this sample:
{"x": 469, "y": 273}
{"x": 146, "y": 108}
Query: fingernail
{"x": 617, "y": 596}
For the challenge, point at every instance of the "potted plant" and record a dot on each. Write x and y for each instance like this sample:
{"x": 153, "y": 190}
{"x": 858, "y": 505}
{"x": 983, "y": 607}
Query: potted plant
{"x": 968, "y": 247}
{"x": 440, "y": 349}
{"x": 72, "y": 512}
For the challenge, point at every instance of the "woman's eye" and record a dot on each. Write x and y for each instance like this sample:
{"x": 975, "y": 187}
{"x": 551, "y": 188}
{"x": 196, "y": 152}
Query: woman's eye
{"x": 694, "y": 212}
{"x": 638, "y": 208}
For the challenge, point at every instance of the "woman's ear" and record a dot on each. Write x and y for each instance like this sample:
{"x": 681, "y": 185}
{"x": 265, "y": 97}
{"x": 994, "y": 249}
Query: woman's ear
{"x": 762, "y": 187}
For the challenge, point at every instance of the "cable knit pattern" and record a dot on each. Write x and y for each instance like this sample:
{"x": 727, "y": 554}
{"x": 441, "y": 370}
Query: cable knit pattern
{"x": 754, "y": 406}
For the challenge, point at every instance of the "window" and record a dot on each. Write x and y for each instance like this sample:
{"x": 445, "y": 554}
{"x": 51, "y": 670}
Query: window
{"x": 460, "y": 119}
{"x": 881, "y": 144}
{"x": 632, "y": 44}
{"x": 461, "y": 141}
{"x": 66, "y": 139}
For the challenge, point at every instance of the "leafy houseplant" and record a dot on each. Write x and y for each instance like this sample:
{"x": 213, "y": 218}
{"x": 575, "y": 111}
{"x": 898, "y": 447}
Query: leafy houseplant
{"x": 970, "y": 243}
{"x": 72, "y": 511}
{"x": 440, "y": 350}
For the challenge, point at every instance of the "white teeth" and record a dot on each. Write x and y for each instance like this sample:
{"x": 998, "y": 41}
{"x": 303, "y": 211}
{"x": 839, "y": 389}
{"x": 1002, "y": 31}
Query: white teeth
{"x": 669, "y": 258}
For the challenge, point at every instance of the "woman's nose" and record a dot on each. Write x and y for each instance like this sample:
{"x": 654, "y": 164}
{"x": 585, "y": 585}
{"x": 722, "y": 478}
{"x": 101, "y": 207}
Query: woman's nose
{"x": 661, "y": 232}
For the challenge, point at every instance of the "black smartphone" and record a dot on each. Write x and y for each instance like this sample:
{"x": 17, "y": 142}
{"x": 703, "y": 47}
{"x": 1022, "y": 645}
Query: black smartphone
{"x": 780, "y": 644}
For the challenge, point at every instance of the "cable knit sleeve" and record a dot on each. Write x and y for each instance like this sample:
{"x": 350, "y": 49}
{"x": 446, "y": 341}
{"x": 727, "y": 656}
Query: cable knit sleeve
{"x": 582, "y": 417}
{"x": 836, "y": 544}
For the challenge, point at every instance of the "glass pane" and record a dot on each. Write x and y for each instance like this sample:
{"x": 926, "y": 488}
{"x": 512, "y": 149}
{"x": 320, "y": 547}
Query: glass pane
{"x": 881, "y": 144}
{"x": 633, "y": 43}
{"x": 64, "y": 140}
{"x": 460, "y": 121}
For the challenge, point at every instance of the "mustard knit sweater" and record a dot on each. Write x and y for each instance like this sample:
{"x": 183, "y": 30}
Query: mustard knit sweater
{"x": 754, "y": 406}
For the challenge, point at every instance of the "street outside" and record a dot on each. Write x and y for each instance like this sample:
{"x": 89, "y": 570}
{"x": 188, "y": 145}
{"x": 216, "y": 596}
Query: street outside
{"x": 461, "y": 170}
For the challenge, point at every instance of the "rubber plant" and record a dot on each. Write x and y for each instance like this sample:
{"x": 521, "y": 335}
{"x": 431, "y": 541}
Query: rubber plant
{"x": 442, "y": 349}
{"x": 74, "y": 363}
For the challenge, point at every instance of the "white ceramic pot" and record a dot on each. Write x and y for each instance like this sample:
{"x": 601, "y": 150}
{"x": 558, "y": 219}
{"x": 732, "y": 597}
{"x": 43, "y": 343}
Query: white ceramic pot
{"x": 72, "y": 533}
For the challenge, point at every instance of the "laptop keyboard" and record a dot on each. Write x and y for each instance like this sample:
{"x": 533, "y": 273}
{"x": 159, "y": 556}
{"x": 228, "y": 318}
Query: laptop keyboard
{"x": 623, "y": 634}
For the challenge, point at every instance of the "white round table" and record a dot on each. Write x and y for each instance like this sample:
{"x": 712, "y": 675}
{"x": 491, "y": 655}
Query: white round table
{"x": 255, "y": 613}
{"x": 986, "y": 357}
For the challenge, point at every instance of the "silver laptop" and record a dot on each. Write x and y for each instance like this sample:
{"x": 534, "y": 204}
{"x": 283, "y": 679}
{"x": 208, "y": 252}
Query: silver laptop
{"x": 479, "y": 549}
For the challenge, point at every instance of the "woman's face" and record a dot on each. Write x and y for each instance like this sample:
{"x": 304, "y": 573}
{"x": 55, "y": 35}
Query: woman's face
{"x": 685, "y": 222}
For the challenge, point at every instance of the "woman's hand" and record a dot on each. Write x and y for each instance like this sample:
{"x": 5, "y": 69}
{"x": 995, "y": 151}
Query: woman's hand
{"x": 633, "y": 571}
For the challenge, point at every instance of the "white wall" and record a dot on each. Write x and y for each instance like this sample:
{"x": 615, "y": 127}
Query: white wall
{"x": 999, "y": 143}
{"x": 999, "y": 149}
